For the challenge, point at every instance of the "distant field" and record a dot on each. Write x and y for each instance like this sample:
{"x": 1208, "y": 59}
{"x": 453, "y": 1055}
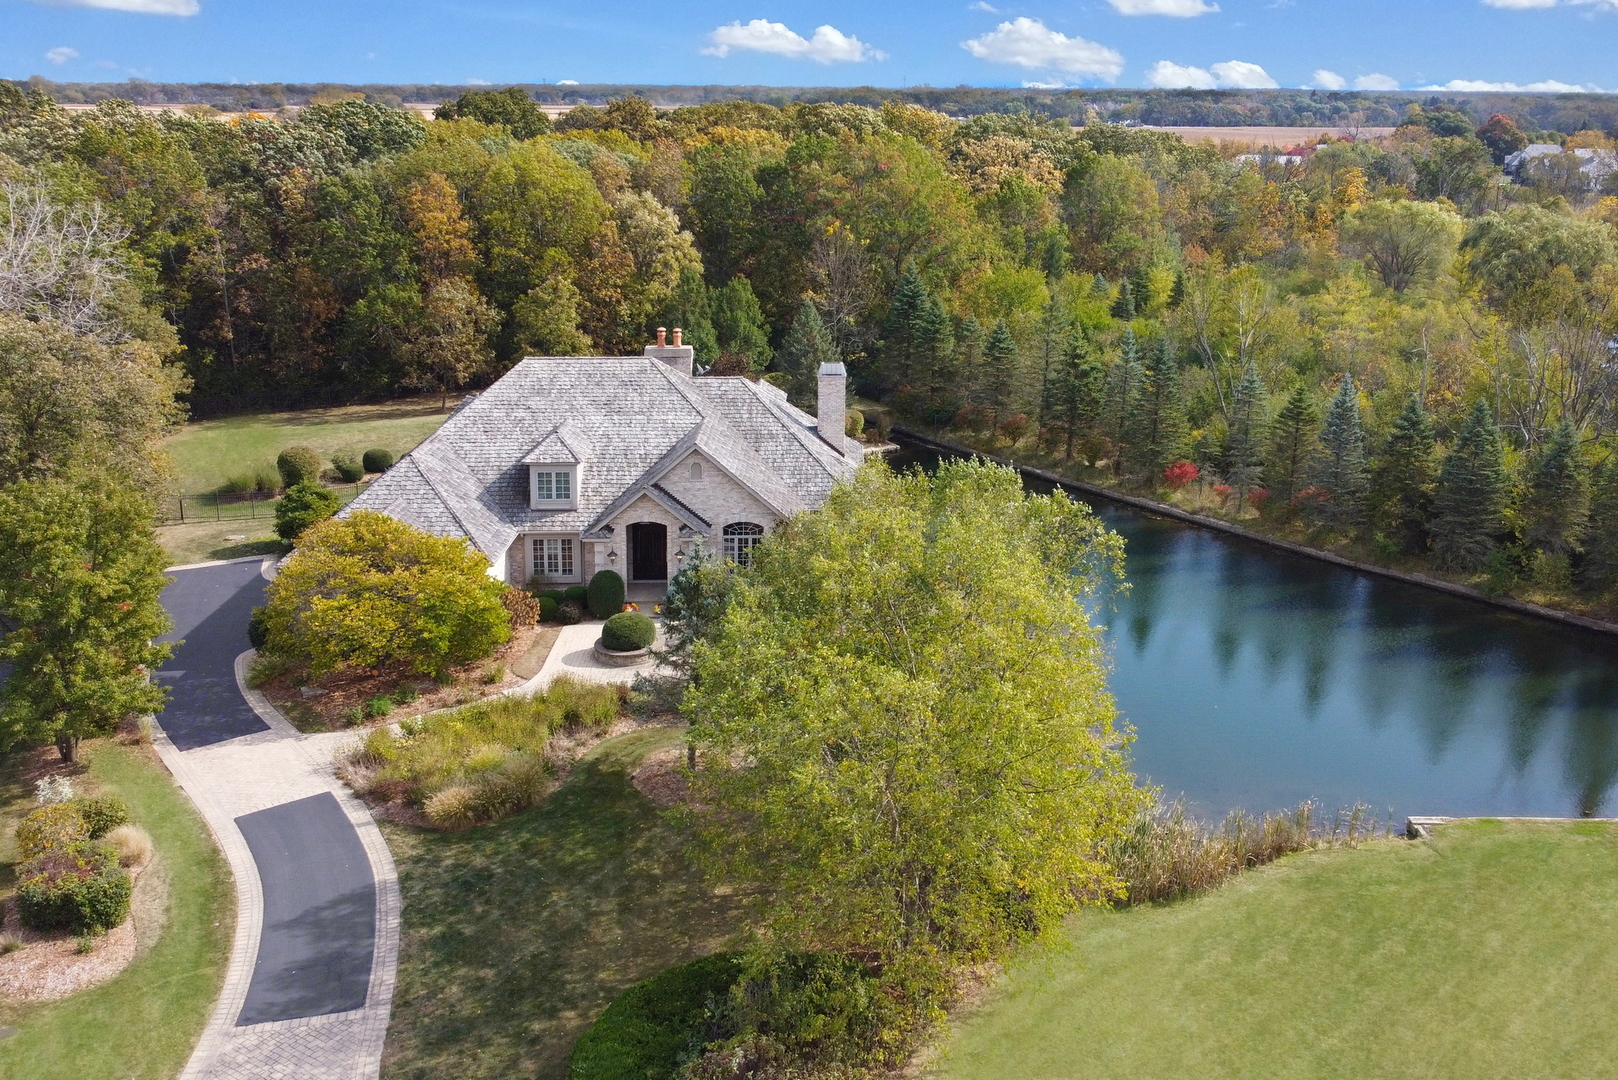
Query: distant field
{"x": 212, "y": 451}
{"x": 1278, "y": 137}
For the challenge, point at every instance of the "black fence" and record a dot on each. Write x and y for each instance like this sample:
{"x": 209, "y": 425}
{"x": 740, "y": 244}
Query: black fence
{"x": 233, "y": 505}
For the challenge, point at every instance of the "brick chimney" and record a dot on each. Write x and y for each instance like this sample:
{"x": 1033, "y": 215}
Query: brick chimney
{"x": 677, "y": 356}
{"x": 831, "y": 412}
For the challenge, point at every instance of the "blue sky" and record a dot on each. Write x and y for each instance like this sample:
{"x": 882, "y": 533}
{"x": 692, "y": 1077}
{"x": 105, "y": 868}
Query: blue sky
{"x": 1373, "y": 44}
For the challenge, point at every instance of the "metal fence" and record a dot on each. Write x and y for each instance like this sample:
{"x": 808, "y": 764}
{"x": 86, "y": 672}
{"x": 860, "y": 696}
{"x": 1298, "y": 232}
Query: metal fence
{"x": 233, "y": 505}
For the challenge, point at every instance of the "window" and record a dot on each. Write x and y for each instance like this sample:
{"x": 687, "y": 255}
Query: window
{"x": 553, "y": 486}
{"x": 696, "y": 470}
{"x": 553, "y": 558}
{"x": 741, "y": 537}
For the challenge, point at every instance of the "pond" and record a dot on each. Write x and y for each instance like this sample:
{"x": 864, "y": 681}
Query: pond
{"x": 1255, "y": 678}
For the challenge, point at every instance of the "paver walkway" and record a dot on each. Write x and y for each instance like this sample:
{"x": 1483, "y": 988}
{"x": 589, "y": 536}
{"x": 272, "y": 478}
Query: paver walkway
{"x": 312, "y": 969}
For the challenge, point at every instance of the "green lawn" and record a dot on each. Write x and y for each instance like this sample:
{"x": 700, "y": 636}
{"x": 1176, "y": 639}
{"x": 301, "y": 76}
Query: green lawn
{"x": 210, "y": 452}
{"x": 208, "y": 540}
{"x": 145, "y": 1022}
{"x": 1491, "y": 950}
{"x": 518, "y": 934}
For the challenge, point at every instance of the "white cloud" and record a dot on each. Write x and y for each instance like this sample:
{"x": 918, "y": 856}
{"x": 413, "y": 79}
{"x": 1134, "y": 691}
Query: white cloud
{"x": 1529, "y": 5}
{"x": 1174, "y": 9}
{"x": 62, "y": 54}
{"x": 1327, "y": 80}
{"x": 1167, "y": 76}
{"x": 1029, "y": 43}
{"x": 567, "y": 82}
{"x": 139, "y": 7}
{"x": 1545, "y": 86}
{"x": 828, "y": 46}
{"x": 478, "y": 82}
{"x": 1240, "y": 75}
{"x": 981, "y": 6}
{"x": 1033, "y": 85}
{"x": 1376, "y": 81}
{"x": 1231, "y": 74}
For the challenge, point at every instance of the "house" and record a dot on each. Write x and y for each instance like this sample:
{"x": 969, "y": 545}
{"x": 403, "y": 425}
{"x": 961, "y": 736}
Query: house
{"x": 1594, "y": 165}
{"x": 572, "y": 464}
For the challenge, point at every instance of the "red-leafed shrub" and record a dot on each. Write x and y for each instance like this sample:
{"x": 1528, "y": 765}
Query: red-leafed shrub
{"x": 1180, "y": 474}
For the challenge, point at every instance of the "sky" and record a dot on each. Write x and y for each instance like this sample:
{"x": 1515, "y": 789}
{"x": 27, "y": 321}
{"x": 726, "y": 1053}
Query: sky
{"x": 1330, "y": 44}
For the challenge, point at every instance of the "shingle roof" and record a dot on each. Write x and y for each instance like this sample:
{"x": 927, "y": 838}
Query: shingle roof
{"x": 628, "y": 420}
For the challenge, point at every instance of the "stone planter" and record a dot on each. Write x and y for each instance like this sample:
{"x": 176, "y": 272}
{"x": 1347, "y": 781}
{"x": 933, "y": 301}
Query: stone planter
{"x": 613, "y": 658}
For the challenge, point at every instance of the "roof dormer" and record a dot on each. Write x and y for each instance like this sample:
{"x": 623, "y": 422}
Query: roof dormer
{"x": 555, "y": 468}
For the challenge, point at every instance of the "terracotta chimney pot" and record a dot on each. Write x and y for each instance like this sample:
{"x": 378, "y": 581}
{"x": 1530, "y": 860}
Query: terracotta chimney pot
{"x": 662, "y": 334}
{"x": 676, "y": 337}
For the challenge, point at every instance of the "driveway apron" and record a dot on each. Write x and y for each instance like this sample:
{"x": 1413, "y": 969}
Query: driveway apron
{"x": 310, "y": 982}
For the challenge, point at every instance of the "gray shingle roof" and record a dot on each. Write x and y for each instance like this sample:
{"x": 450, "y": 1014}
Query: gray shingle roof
{"x": 628, "y": 420}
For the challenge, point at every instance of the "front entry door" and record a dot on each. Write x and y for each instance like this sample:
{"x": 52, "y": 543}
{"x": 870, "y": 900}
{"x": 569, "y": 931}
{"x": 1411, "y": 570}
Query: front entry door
{"x": 648, "y": 551}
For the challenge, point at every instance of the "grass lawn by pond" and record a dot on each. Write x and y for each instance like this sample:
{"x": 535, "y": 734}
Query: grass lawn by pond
{"x": 210, "y": 452}
{"x": 518, "y": 934}
{"x": 1491, "y": 950}
{"x": 145, "y": 1021}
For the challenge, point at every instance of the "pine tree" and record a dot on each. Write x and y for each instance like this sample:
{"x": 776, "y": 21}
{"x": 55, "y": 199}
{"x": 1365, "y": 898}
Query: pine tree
{"x": 1099, "y": 289}
{"x": 690, "y": 307}
{"x": 899, "y": 347}
{"x": 1599, "y": 571}
{"x": 998, "y": 378}
{"x": 1124, "y": 384}
{"x": 1164, "y": 429}
{"x": 739, "y": 322}
{"x": 959, "y": 386}
{"x": 807, "y": 346}
{"x": 934, "y": 376}
{"x": 1293, "y": 438}
{"x": 1124, "y": 306}
{"x": 1468, "y": 506}
{"x": 1075, "y": 393}
{"x": 1402, "y": 481}
{"x": 1339, "y": 468}
{"x": 1244, "y": 454}
{"x": 1052, "y": 329}
{"x": 1558, "y": 503}
{"x": 1140, "y": 289}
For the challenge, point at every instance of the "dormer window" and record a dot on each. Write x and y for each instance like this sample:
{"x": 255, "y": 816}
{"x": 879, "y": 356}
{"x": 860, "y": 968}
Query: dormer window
{"x": 553, "y": 487}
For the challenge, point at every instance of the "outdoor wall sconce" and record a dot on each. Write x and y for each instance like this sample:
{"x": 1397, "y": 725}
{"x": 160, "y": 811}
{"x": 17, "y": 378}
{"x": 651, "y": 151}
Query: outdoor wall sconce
{"x": 612, "y": 557}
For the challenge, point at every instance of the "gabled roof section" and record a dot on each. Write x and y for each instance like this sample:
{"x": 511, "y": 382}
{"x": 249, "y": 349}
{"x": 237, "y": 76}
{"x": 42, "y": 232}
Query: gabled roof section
{"x": 564, "y": 444}
{"x": 657, "y": 494}
{"x": 462, "y": 493}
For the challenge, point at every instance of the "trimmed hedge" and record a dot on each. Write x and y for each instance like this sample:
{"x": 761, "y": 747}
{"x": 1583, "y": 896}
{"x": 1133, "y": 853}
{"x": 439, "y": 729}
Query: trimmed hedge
{"x": 547, "y": 607}
{"x": 304, "y": 504}
{"x": 50, "y": 828}
{"x": 655, "y": 1025}
{"x": 378, "y": 460}
{"x": 347, "y": 464}
{"x": 80, "y": 888}
{"x": 576, "y": 593}
{"x": 606, "y": 594}
{"x": 103, "y": 815}
{"x": 628, "y": 631}
{"x": 298, "y": 465}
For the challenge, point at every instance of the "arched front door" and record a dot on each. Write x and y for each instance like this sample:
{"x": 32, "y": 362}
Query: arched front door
{"x": 648, "y": 551}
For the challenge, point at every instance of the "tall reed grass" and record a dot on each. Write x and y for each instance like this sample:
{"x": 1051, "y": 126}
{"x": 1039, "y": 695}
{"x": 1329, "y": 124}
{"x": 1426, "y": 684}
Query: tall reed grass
{"x": 1168, "y": 854}
{"x": 484, "y": 760}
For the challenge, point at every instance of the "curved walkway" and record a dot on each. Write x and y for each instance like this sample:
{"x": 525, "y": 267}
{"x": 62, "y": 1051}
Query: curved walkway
{"x": 312, "y": 969}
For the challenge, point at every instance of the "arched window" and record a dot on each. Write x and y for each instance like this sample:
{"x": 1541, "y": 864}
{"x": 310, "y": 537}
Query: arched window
{"x": 741, "y": 537}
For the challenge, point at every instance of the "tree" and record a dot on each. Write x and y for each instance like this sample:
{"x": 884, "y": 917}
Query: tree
{"x": 1293, "y": 438}
{"x": 80, "y": 581}
{"x": 1244, "y": 449}
{"x": 998, "y": 378}
{"x": 1163, "y": 429}
{"x": 1598, "y": 573}
{"x": 1515, "y": 253}
{"x": 806, "y": 347}
{"x": 1558, "y": 503}
{"x": 690, "y": 307}
{"x": 739, "y": 323}
{"x": 1074, "y": 399}
{"x": 1339, "y": 467}
{"x": 699, "y": 594}
{"x": 903, "y": 731}
{"x": 304, "y": 504}
{"x": 545, "y": 320}
{"x": 510, "y": 107}
{"x": 900, "y": 348}
{"x": 452, "y": 344}
{"x": 1403, "y": 478}
{"x": 1125, "y": 382}
{"x": 368, "y": 590}
{"x": 1502, "y": 136}
{"x": 64, "y": 264}
{"x": 1405, "y": 243}
{"x": 1470, "y": 499}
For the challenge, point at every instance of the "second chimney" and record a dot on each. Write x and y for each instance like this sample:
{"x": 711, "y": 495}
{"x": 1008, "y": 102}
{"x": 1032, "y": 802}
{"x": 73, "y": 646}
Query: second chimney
{"x": 831, "y": 412}
{"x": 677, "y": 356}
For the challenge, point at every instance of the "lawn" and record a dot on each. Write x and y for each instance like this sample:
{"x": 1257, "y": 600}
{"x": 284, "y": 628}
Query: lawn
{"x": 518, "y": 934}
{"x": 145, "y": 1022}
{"x": 215, "y": 540}
{"x": 1491, "y": 950}
{"x": 212, "y": 451}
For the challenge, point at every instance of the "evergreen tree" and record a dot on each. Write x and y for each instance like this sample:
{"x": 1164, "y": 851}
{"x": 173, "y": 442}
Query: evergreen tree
{"x": 933, "y": 377}
{"x": 1244, "y": 452}
{"x": 958, "y": 386}
{"x": 899, "y": 345}
{"x": 807, "y": 346}
{"x": 1599, "y": 571}
{"x": 1402, "y": 481}
{"x": 1123, "y": 406}
{"x": 739, "y": 323}
{"x": 691, "y": 309}
{"x": 1052, "y": 328}
{"x": 1293, "y": 438}
{"x": 1075, "y": 393}
{"x": 1177, "y": 294}
{"x": 998, "y": 378}
{"x": 1558, "y": 503}
{"x": 1124, "y": 306}
{"x": 1339, "y": 466}
{"x": 1140, "y": 289}
{"x": 1469, "y": 503}
{"x": 1164, "y": 429}
{"x": 1099, "y": 289}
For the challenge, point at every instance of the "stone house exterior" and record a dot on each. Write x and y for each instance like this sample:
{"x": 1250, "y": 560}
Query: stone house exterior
{"x": 570, "y": 465}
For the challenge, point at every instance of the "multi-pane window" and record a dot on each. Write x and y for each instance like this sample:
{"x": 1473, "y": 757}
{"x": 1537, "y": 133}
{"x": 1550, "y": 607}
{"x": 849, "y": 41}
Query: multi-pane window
{"x": 553, "y": 486}
{"x": 553, "y": 558}
{"x": 740, "y": 538}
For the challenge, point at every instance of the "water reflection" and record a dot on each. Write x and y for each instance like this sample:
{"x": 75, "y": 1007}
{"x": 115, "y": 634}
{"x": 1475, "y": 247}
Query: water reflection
{"x": 1256, "y": 678}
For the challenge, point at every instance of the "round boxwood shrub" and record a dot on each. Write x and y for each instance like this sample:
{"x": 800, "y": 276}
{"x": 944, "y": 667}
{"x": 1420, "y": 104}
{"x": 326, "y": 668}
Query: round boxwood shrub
{"x": 298, "y": 465}
{"x": 80, "y": 888}
{"x": 652, "y": 1027}
{"x": 303, "y": 505}
{"x": 606, "y": 594}
{"x": 569, "y": 612}
{"x": 347, "y": 464}
{"x": 258, "y": 631}
{"x": 50, "y": 828}
{"x": 547, "y": 607}
{"x": 378, "y": 460}
{"x": 628, "y": 631}
{"x": 102, "y": 815}
{"x": 576, "y": 593}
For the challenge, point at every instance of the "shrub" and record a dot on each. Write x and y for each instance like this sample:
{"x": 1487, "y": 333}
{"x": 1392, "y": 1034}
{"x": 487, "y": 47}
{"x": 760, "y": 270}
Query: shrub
{"x": 377, "y": 706}
{"x": 369, "y": 590}
{"x": 102, "y": 815}
{"x": 378, "y": 460}
{"x": 50, "y": 828}
{"x": 854, "y": 424}
{"x": 605, "y": 596}
{"x": 569, "y": 612}
{"x": 298, "y": 465}
{"x": 1180, "y": 474}
{"x": 49, "y": 789}
{"x": 348, "y": 467}
{"x": 547, "y": 607}
{"x": 80, "y": 888}
{"x": 304, "y": 504}
{"x": 652, "y": 1027}
{"x": 452, "y": 808}
{"x": 263, "y": 479}
{"x": 258, "y": 631}
{"x": 405, "y": 694}
{"x": 576, "y": 593}
{"x": 521, "y": 606}
{"x": 132, "y": 844}
{"x": 627, "y": 631}
{"x": 555, "y": 594}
